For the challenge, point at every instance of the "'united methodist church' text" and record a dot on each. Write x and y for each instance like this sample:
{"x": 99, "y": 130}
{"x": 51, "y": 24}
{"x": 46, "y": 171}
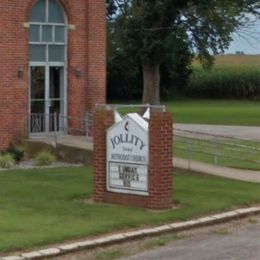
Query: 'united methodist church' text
{"x": 128, "y": 157}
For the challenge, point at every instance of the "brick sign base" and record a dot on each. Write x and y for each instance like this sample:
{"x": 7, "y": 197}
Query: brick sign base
{"x": 160, "y": 162}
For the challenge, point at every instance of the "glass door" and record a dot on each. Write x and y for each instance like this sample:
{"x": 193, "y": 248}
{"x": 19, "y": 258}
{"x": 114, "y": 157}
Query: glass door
{"x": 55, "y": 100}
{"x": 37, "y": 99}
{"x": 47, "y": 99}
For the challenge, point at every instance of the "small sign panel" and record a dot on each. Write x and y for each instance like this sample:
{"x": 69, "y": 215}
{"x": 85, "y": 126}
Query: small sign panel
{"x": 127, "y": 156}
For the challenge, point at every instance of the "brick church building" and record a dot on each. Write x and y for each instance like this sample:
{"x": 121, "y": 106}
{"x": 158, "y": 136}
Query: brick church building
{"x": 53, "y": 68}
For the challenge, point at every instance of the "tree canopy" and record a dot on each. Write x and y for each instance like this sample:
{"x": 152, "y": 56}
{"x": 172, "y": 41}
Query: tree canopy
{"x": 148, "y": 29}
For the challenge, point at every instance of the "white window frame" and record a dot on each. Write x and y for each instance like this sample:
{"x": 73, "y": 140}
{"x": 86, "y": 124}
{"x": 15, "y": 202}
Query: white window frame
{"x": 47, "y": 64}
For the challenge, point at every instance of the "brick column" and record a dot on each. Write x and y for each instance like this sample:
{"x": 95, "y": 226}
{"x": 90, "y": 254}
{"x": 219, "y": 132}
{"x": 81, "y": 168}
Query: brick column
{"x": 102, "y": 121}
{"x": 160, "y": 166}
{"x": 96, "y": 36}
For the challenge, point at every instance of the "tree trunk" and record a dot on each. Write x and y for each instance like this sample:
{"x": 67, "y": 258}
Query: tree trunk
{"x": 151, "y": 87}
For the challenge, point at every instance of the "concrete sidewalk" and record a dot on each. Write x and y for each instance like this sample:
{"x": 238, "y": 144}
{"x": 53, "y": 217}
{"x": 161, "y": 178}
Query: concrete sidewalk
{"x": 231, "y": 173}
{"x": 243, "y": 132}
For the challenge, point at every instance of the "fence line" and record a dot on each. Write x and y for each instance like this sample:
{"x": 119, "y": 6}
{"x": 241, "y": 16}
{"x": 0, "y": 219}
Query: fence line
{"x": 221, "y": 142}
{"x": 214, "y": 135}
{"x": 217, "y": 147}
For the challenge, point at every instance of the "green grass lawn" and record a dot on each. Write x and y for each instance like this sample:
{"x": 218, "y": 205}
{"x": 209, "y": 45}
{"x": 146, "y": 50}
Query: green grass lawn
{"x": 221, "y": 112}
{"x": 39, "y": 207}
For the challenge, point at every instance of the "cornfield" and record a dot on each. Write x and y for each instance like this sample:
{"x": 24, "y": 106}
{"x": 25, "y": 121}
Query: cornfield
{"x": 232, "y": 76}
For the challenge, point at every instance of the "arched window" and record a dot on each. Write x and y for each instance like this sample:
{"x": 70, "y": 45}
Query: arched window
{"x": 48, "y": 80}
{"x": 48, "y": 34}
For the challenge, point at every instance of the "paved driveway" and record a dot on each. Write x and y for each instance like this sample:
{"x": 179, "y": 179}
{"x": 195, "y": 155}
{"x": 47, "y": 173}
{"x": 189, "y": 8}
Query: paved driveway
{"x": 241, "y": 244}
{"x": 244, "y": 132}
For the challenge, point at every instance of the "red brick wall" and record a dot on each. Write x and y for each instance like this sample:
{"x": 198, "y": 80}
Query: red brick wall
{"x": 86, "y": 51}
{"x": 102, "y": 121}
{"x": 13, "y": 53}
{"x": 160, "y": 163}
{"x": 160, "y": 160}
{"x": 96, "y": 53}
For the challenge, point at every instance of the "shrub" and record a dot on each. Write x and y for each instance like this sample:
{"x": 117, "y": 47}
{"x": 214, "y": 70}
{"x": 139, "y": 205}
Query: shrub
{"x": 6, "y": 161}
{"x": 44, "y": 158}
{"x": 16, "y": 152}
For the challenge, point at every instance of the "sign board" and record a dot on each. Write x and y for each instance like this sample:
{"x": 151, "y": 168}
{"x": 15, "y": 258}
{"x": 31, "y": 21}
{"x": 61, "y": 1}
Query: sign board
{"x": 127, "y": 156}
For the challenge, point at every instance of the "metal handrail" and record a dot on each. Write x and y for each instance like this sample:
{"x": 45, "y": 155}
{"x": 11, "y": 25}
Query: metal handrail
{"x": 57, "y": 124}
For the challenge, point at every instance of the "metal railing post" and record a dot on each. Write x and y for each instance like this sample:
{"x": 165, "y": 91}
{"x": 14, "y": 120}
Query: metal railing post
{"x": 60, "y": 123}
{"x": 189, "y": 153}
{"x": 216, "y": 152}
{"x": 55, "y": 128}
{"x": 29, "y": 125}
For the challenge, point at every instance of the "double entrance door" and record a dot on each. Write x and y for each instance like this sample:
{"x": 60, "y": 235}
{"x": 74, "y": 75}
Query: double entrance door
{"x": 47, "y": 99}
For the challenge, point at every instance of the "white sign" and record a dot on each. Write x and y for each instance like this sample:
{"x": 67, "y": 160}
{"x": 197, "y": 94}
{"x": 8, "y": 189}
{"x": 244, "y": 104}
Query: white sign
{"x": 127, "y": 156}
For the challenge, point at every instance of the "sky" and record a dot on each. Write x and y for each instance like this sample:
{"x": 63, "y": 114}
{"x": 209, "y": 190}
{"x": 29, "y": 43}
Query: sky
{"x": 247, "y": 40}
{"x": 244, "y": 47}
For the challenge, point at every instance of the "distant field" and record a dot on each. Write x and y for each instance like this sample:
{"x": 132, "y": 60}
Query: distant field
{"x": 235, "y": 60}
{"x": 232, "y": 77}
